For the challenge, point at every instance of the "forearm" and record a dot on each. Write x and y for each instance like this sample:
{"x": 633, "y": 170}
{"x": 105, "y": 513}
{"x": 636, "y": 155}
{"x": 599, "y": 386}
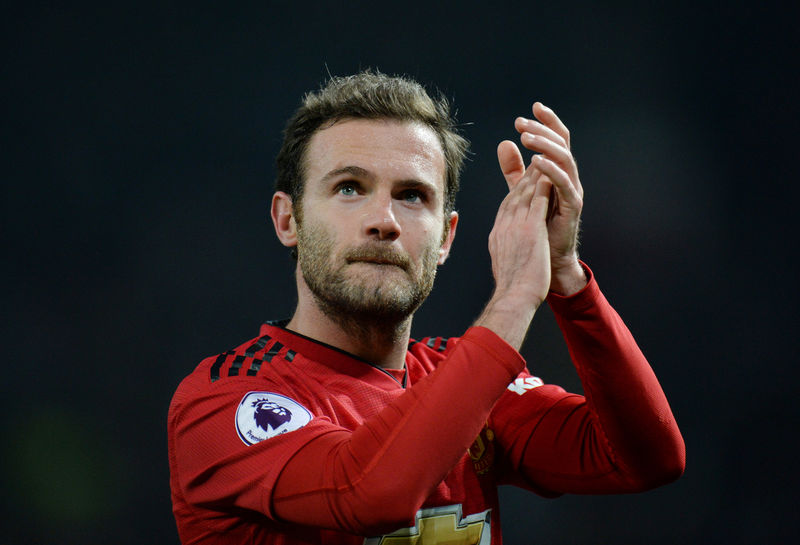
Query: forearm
{"x": 509, "y": 313}
{"x": 509, "y": 316}
{"x": 622, "y": 392}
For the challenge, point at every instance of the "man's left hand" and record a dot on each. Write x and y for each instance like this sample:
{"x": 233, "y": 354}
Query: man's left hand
{"x": 554, "y": 164}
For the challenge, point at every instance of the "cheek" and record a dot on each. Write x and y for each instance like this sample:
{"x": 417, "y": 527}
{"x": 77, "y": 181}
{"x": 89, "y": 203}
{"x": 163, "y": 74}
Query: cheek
{"x": 427, "y": 225}
{"x": 431, "y": 237}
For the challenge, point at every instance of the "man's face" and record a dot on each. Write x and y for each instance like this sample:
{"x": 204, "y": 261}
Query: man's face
{"x": 373, "y": 229}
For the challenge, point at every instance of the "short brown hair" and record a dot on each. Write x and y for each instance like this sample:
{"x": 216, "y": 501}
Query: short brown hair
{"x": 368, "y": 95}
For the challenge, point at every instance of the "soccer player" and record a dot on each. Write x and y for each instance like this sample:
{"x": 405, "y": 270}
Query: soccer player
{"x": 334, "y": 426}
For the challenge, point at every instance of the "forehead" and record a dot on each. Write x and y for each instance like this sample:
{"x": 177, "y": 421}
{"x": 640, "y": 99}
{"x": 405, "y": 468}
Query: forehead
{"x": 387, "y": 148}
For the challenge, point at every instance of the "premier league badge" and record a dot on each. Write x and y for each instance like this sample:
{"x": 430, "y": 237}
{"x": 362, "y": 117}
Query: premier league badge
{"x": 262, "y": 415}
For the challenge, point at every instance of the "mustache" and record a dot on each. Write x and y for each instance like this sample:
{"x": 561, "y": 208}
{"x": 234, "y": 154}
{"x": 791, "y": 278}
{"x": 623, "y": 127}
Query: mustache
{"x": 378, "y": 254}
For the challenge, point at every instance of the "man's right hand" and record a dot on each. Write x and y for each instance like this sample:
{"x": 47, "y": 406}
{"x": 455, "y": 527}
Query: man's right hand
{"x": 520, "y": 251}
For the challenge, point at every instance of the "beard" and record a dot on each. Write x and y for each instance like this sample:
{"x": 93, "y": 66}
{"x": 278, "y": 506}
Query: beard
{"x": 385, "y": 293}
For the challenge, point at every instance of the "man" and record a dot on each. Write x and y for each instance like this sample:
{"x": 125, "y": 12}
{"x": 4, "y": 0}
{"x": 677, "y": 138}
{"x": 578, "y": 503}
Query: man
{"x": 335, "y": 426}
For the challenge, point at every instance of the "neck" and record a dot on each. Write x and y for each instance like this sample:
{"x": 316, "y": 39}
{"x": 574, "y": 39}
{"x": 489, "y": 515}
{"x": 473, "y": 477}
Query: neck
{"x": 379, "y": 341}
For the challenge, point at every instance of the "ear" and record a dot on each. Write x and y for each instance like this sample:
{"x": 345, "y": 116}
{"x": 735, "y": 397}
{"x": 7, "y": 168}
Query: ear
{"x": 444, "y": 251}
{"x": 283, "y": 218}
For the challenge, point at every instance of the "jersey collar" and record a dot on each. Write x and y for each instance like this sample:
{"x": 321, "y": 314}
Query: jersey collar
{"x": 335, "y": 358}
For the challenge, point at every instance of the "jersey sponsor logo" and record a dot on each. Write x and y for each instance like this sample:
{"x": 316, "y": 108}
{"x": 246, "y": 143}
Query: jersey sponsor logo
{"x": 262, "y": 415}
{"x": 522, "y": 385}
{"x": 441, "y": 525}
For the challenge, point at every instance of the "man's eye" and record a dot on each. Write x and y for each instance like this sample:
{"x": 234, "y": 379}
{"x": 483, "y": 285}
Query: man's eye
{"x": 412, "y": 196}
{"x": 347, "y": 189}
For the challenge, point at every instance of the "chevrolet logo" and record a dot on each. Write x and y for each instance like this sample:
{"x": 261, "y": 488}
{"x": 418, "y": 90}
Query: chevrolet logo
{"x": 441, "y": 526}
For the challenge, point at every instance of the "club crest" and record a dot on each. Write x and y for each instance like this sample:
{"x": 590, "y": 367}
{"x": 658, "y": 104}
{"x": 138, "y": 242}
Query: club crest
{"x": 262, "y": 415}
{"x": 482, "y": 451}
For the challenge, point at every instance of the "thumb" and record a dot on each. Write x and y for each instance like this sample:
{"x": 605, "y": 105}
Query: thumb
{"x": 511, "y": 163}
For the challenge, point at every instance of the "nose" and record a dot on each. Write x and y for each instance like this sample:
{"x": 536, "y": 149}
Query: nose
{"x": 380, "y": 221}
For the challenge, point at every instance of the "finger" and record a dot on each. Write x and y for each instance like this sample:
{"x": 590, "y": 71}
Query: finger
{"x": 510, "y": 206}
{"x": 535, "y": 173}
{"x": 552, "y": 206}
{"x": 540, "y": 201}
{"x": 516, "y": 205}
{"x": 523, "y": 192}
{"x": 549, "y": 118}
{"x": 511, "y": 163}
{"x": 567, "y": 194}
{"x": 559, "y": 154}
{"x": 532, "y": 126}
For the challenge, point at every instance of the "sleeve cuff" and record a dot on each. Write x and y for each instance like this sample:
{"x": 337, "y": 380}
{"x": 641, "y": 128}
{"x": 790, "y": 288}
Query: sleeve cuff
{"x": 577, "y": 303}
{"x": 497, "y": 347}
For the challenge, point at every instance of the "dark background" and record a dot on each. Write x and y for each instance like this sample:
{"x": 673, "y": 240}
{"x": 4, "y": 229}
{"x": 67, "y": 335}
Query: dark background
{"x": 138, "y": 146}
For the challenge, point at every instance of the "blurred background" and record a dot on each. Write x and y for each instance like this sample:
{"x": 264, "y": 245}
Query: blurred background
{"x": 138, "y": 147}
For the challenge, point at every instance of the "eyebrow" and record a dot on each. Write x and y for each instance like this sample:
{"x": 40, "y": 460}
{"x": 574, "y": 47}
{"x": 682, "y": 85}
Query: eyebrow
{"x": 351, "y": 170}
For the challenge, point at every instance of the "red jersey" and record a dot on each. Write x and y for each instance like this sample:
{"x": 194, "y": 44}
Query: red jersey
{"x": 287, "y": 440}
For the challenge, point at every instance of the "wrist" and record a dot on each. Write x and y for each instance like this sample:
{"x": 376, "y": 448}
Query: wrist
{"x": 567, "y": 278}
{"x": 509, "y": 316}
{"x": 515, "y": 301}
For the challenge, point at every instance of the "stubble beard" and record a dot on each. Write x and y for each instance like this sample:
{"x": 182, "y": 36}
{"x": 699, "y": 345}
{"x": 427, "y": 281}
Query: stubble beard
{"x": 363, "y": 300}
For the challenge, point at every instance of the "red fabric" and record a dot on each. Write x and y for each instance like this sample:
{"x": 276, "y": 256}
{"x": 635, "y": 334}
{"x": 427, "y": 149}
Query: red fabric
{"x": 375, "y": 454}
{"x": 620, "y": 437}
{"x": 397, "y": 458}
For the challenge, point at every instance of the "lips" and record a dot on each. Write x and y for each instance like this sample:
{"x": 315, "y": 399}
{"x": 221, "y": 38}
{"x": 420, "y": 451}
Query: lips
{"x": 373, "y": 262}
{"x": 377, "y": 256}
{"x": 376, "y": 262}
